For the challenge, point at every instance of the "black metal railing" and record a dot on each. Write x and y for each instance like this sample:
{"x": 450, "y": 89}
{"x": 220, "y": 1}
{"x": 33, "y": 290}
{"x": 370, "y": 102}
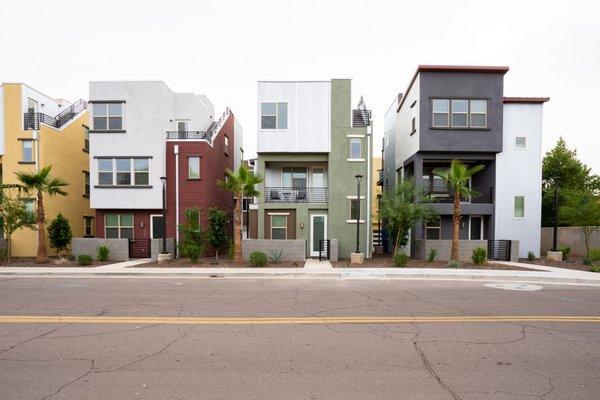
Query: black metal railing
{"x": 189, "y": 135}
{"x": 444, "y": 195}
{"x": 324, "y": 246}
{"x": 32, "y": 120}
{"x": 499, "y": 250}
{"x": 296, "y": 195}
{"x": 361, "y": 118}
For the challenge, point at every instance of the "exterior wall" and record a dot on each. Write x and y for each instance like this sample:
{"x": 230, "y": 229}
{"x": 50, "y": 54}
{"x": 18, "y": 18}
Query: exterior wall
{"x": 344, "y": 183}
{"x": 118, "y": 248}
{"x": 293, "y": 250}
{"x": 238, "y": 137}
{"x": 62, "y": 148}
{"x": 571, "y": 236}
{"x": 2, "y": 133}
{"x": 488, "y": 86}
{"x": 141, "y": 221}
{"x": 519, "y": 173}
{"x": 407, "y": 141}
{"x": 443, "y": 247}
{"x": 389, "y": 146}
{"x": 308, "y": 117}
{"x": 375, "y": 190}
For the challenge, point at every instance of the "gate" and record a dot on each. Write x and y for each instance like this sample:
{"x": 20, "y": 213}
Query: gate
{"x": 324, "y": 249}
{"x": 139, "y": 248}
{"x": 499, "y": 250}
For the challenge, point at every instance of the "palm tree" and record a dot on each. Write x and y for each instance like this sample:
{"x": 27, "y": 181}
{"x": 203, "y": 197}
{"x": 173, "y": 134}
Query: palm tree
{"x": 457, "y": 178}
{"x": 39, "y": 183}
{"x": 241, "y": 183}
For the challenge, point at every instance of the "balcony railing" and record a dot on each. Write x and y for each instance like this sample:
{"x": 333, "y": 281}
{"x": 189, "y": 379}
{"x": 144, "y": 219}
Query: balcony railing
{"x": 443, "y": 195}
{"x": 296, "y": 195}
{"x": 189, "y": 135}
{"x": 32, "y": 120}
{"x": 361, "y": 118}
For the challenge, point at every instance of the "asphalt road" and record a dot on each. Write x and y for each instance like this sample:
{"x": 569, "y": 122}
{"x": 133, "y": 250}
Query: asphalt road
{"x": 186, "y": 339}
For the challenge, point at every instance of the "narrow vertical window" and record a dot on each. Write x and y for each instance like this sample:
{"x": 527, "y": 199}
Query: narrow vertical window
{"x": 105, "y": 171}
{"x": 441, "y": 112}
{"x": 478, "y": 115}
{"x": 226, "y": 144}
{"x": 460, "y": 111}
{"x": 194, "y": 167}
{"x": 354, "y": 214}
{"x": 86, "y": 183}
{"x": 88, "y": 226}
{"x": 141, "y": 170}
{"x": 86, "y": 138}
{"x": 519, "y": 207}
{"x": 27, "y": 151}
{"x": 356, "y": 148}
{"x": 123, "y": 168}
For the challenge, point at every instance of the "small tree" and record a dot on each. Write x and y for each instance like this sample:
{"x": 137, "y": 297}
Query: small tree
{"x": 217, "y": 234}
{"x": 401, "y": 212}
{"x": 192, "y": 238}
{"x": 582, "y": 209}
{"x": 60, "y": 234}
{"x": 14, "y": 216}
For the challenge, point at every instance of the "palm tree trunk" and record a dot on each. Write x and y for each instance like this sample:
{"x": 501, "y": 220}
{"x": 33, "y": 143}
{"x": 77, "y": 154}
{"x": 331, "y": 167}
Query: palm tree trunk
{"x": 456, "y": 225}
{"x": 237, "y": 233}
{"x": 42, "y": 257}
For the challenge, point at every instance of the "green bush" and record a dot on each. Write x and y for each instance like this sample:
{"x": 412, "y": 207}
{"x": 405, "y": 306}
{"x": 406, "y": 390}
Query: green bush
{"x": 432, "y": 255}
{"x": 84, "y": 259}
{"x": 59, "y": 233}
{"x": 586, "y": 260}
{"x": 103, "y": 253}
{"x": 566, "y": 250}
{"x": 531, "y": 256}
{"x": 454, "y": 264}
{"x": 479, "y": 256}
{"x": 258, "y": 259}
{"x": 594, "y": 255}
{"x": 192, "y": 241}
{"x": 595, "y": 268}
{"x": 400, "y": 259}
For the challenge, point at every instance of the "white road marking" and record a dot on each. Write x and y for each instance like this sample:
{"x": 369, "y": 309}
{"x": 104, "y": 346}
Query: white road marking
{"x": 514, "y": 286}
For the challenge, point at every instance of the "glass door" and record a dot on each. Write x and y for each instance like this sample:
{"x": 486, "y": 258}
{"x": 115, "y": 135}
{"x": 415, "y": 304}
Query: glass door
{"x": 476, "y": 227}
{"x": 318, "y": 232}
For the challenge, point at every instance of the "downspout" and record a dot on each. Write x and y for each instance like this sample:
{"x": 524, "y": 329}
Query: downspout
{"x": 369, "y": 230}
{"x": 176, "y": 151}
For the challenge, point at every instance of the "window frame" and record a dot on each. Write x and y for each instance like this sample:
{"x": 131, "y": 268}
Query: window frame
{"x": 427, "y": 227}
{"x": 108, "y": 116}
{"x": 358, "y": 140}
{"x": 86, "y": 139}
{"x": 123, "y": 172}
{"x": 350, "y": 200}
{"x": 466, "y": 114}
{"x": 271, "y": 227}
{"x": 485, "y": 114}
{"x": 23, "y": 160}
{"x": 119, "y": 226}
{"x": 86, "y": 184}
{"x": 469, "y": 114}
{"x": 189, "y": 169}
{"x": 87, "y": 219}
{"x": 524, "y": 145}
{"x": 276, "y": 115}
{"x": 113, "y": 172}
{"x": 226, "y": 144}
{"x": 26, "y": 203}
{"x": 433, "y": 113}
{"x": 515, "y": 206}
{"x": 135, "y": 172}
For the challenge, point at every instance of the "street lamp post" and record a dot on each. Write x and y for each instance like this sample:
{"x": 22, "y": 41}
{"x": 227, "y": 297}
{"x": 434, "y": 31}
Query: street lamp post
{"x": 379, "y": 219}
{"x": 358, "y": 178}
{"x": 163, "y": 179}
{"x": 556, "y": 180}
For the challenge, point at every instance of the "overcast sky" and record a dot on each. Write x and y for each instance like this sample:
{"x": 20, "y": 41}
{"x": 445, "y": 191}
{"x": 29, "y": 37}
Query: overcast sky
{"x": 221, "y": 48}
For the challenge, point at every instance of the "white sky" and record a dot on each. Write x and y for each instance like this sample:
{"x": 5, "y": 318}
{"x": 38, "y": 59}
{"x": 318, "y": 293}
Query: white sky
{"x": 221, "y": 48}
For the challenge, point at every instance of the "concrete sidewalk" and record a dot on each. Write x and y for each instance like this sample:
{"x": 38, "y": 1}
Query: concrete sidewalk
{"x": 318, "y": 270}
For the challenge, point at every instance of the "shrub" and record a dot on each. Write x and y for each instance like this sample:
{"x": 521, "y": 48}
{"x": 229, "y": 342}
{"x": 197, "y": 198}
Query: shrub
{"x": 258, "y": 259}
{"x": 531, "y": 256}
{"x": 432, "y": 255}
{"x": 479, "y": 256}
{"x": 84, "y": 259}
{"x": 594, "y": 255}
{"x": 192, "y": 239}
{"x": 454, "y": 264}
{"x": 216, "y": 234}
{"x": 102, "y": 253}
{"x": 59, "y": 233}
{"x": 566, "y": 250}
{"x": 275, "y": 255}
{"x": 400, "y": 259}
{"x": 595, "y": 268}
{"x": 586, "y": 260}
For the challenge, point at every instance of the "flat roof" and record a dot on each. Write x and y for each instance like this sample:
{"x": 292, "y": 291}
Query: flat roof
{"x": 531, "y": 100}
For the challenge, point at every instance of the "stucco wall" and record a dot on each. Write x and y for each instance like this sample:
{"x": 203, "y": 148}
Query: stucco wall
{"x": 293, "y": 250}
{"x": 444, "y": 247}
{"x": 118, "y": 248}
{"x": 571, "y": 236}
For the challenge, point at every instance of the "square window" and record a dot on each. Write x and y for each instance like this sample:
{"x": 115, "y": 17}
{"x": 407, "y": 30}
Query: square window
{"x": 519, "y": 207}
{"x": 108, "y": 116}
{"x": 282, "y": 113}
{"x": 441, "y": 112}
{"x": 478, "y": 116}
{"x": 268, "y": 122}
{"x": 520, "y": 142}
{"x": 141, "y": 171}
{"x": 112, "y": 220}
{"x": 433, "y": 230}
{"x": 193, "y": 167}
{"x": 356, "y": 148}
{"x": 278, "y": 226}
{"x": 105, "y": 171}
{"x": 273, "y": 115}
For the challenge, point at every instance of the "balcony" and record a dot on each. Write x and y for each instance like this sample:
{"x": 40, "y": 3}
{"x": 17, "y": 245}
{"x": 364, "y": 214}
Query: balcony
{"x": 361, "y": 118}
{"x": 296, "y": 194}
{"x": 32, "y": 120}
{"x": 190, "y": 135}
{"x": 444, "y": 195}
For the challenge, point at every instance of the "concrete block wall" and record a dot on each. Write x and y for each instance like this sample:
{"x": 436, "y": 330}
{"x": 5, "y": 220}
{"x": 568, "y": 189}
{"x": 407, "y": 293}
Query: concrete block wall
{"x": 444, "y": 247}
{"x": 293, "y": 250}
{"x": 118, "y": 248}
{"x": 334, "y": 251}
{"x": 156, "y": 247}
{"x": 571, "y": 236}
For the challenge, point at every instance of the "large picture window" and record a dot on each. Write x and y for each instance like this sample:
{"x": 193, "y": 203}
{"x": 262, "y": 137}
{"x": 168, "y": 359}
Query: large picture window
{"x": 273, "y": 116}
{"x": 124, "y": 171}
{"x": 119, "y": 226}
{"x": 459, "y": 113}
{"x": 108, "y": 116}
{"x": 278, "y": 226}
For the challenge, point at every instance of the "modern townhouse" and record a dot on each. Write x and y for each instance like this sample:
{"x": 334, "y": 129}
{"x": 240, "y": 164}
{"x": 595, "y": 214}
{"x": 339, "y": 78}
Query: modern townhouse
{"x": 460, "y": 112}
{"x": 36, "y": 131}
{"x": 311, "y": 147}
{"x": 149, "y": 145}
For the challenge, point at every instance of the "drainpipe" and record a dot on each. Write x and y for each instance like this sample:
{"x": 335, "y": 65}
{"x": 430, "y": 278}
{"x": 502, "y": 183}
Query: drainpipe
{"x": 176, "y": 151}
{"x": 368, "y": 198}
{"x": 35, "y": 135}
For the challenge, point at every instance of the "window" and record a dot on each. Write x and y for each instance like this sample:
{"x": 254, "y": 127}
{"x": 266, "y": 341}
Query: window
{"x": 355, "y": 149}
{"x": 86, "y": 183}
{"x": 520, "y": 142}
{"x": 123, "y": 171}
{"x": 194, "y": 167}
{"x": 32, "y": 106}
{"x": 30, "y": 207}
{"x": 413, "y": 128}
{"x": 459, "y": 113}
{"x": 519, "y": 206}
{"x": 27, "y": 151}
{"x": 226, "y": 142}
{"x": 273, "y": 116}
{"x": 141, "y": 170}
{"x": 441, "y": 110}
{"x": 105, "y": 171}
{"x": 86, "y": 138}
{"x": 294, "y": 177}
{"x": 278, "y": 226}
{"x": 433, "y": 230}
{"x": 354, "y": 211}
{"x": 182, "y": 126}
{"x": 88, "y": 230}
{"x": 119, "y": 226}
{"x": 108, "y": 116}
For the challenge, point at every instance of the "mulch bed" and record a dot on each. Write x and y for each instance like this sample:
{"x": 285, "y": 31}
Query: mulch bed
{"x": 571, "y": 263}
{"x": 29, "y": 262}
{"x": 212, "y": 263}
{"x": 386, "y": 261}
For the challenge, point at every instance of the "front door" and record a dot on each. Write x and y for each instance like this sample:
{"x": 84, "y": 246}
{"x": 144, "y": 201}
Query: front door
{"x": 476, "y": 227}
{"x": 318, "y": 232}
{"x": 158, "y": 225}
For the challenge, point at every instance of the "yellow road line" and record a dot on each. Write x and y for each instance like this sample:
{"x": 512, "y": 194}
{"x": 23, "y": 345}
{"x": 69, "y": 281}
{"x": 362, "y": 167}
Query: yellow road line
{"x": 56, "y": 319}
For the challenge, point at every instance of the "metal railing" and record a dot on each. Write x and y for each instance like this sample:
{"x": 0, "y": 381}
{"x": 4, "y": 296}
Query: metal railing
{"x": 324, "y": 252}
{"x": 32, "y": 120}
{"x": 188, "y": 135}
{"x": 296, "y": 195}
{"x": 499, "y": 250}
{"x": 443, "y": 195}
{"x": 361, "y": 118}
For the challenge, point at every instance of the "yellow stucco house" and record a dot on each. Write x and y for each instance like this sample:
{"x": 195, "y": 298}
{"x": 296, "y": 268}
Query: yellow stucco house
{"x": 37, "y": 130}
{"x": 375, "y": 191}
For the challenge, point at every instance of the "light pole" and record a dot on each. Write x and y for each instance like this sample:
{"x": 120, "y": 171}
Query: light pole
{"x": 163, "y": 179}
{"x": 379, "y": 219}
{"x": 556, "y": 180}
{"x": 358, "y": 178}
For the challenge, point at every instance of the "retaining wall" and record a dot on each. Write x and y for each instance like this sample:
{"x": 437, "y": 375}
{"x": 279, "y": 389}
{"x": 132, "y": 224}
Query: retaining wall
{"x": 571, "y": 236}
{"x": 293, "y": 250}
{"x": 118, "y": 248}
